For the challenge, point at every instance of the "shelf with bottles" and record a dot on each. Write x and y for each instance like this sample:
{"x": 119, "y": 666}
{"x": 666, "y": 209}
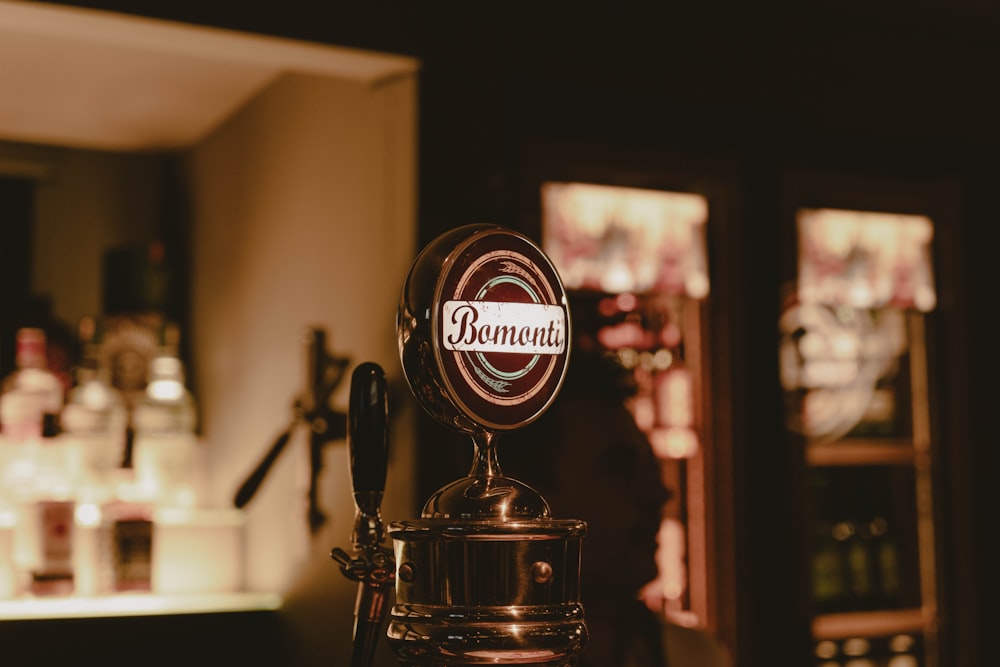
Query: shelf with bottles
{"x": 872, "y": 556}
{"x": 865, "y": 553}
{"x": 64, "y": 555}
{"x": 80, "y": 523}
{"x": 868, "y": 589}
{"x": 122, "y": 556}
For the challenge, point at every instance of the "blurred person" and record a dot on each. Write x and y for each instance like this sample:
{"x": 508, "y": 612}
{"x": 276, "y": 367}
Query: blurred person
{"x": 589, "y": 460}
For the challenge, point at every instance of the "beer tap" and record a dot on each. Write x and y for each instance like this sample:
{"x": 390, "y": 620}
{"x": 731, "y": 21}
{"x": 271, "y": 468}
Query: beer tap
{"x": 312, "y": 409}
{"x": 372, "y": 565}
{"x": 485, "y": 575}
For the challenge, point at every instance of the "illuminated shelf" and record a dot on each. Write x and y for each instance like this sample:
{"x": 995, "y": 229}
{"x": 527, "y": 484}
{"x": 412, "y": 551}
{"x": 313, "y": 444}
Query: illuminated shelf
{"x": 869, "y": 623}
{"x": 862, "y": 451}
{"x": 135, "y": 605}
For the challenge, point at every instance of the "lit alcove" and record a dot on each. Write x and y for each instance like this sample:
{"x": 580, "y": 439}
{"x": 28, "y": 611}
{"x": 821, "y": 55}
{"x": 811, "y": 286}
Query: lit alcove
{"x": 299, "y": 165}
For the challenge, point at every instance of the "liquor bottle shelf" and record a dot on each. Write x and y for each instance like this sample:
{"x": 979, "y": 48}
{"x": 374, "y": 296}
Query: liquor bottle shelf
{"x": 870, "y": 623}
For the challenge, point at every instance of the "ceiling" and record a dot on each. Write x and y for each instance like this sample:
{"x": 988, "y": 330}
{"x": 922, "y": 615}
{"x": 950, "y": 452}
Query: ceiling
{"x": 106, "y": 81}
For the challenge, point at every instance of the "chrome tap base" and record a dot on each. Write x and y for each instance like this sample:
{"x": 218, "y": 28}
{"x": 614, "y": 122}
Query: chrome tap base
{"x": 481, "y": 592}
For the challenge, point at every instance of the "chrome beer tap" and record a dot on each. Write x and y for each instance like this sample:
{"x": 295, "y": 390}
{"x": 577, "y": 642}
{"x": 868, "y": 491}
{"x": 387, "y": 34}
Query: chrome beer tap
{"x": 486, "y": 575}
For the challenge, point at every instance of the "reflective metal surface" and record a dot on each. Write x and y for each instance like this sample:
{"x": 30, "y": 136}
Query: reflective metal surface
{"x": 486, "y": 576}
{"x": 487, "y": 592}
{"x": 370, "y": 564}
{"x": 486, "y": 381}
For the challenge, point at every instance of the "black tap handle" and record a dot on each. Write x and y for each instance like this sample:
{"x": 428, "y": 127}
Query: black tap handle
{"x": 368, "y": 443}
{"x": 371, "y": 565}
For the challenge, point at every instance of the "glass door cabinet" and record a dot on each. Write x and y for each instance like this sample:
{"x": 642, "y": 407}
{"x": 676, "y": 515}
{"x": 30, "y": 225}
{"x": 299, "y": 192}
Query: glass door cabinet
{"x": 854, "y": 374}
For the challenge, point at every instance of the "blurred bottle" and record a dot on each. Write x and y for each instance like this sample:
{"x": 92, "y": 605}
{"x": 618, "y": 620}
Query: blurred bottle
{"x": 165, "y": 452}
{"x": 905, "y": 651}
{"x": 859, "y": 566}
{"x": 127, "y": 536}
{"x": 829, "y": 567}
{"x": 32, "y": 395}
{"x": 858, "y": 651}
{"x": 36, "y": 492}
{"x": 882, "y": 526}
{"x": 94, "y": 420}
{"x": 115, "y": 539}
{"x": 858, "y": 488}
{"x": 48, "y": 518}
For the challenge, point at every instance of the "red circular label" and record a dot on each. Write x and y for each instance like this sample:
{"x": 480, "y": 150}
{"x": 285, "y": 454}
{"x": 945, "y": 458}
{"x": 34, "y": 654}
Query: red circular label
{"x": 501, "y": 328}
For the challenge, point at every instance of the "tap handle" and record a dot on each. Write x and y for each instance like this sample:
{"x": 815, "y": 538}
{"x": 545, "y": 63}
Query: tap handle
{"x": 371, "y": 565}
{"x": 368, "y": 443}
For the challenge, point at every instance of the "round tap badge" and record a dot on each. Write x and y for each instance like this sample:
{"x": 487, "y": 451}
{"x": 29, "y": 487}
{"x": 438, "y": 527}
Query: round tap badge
{"x": 499, "y": 324}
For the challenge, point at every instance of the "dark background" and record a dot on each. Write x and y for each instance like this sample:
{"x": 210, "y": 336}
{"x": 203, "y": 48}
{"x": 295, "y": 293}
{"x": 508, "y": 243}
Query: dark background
{"x": 901, "y": 90}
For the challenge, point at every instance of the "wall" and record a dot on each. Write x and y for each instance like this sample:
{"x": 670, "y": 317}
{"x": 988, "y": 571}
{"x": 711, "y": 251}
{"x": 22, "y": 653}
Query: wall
{"x": 303, "y": 214}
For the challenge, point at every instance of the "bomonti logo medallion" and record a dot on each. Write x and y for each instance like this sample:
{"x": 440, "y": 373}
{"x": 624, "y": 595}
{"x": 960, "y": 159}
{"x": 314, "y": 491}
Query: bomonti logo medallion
{"x": 502, "y": 329}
